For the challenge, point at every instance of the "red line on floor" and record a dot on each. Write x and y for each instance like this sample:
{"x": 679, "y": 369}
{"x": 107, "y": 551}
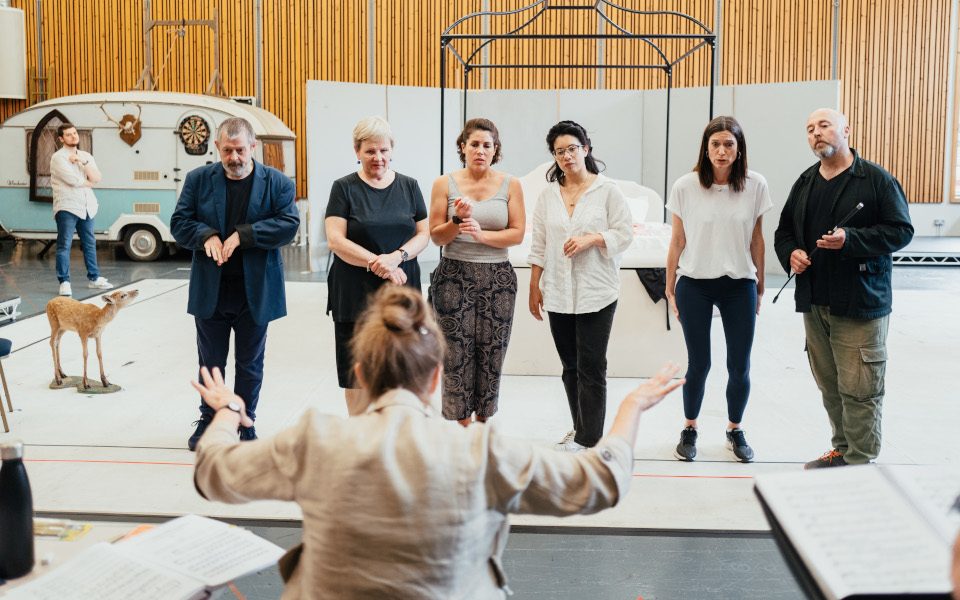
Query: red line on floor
{"x": 109, "y": 462}
{"x": 651, "y": 475}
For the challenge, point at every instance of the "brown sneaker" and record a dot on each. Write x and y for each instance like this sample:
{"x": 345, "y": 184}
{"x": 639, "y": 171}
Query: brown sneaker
{"x": 829, "y": 459}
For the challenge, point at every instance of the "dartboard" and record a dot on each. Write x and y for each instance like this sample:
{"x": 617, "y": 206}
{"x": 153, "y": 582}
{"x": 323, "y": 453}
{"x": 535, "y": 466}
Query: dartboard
{"x": 194, "y": 133}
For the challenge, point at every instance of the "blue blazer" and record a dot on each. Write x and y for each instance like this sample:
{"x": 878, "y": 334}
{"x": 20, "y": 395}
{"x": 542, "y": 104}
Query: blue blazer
{"x": 273, "y": 219}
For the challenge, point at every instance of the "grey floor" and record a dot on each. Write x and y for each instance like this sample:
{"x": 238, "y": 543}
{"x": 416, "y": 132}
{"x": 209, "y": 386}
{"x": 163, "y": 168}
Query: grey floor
{"x": 541, "y": 562}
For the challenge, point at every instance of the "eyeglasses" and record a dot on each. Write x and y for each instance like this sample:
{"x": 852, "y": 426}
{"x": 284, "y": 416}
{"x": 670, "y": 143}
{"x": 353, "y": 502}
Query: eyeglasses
{"x": 571, "y": 150}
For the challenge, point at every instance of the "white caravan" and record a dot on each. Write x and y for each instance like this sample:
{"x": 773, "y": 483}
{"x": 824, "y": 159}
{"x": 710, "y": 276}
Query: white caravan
{"x": 144, "y": 143}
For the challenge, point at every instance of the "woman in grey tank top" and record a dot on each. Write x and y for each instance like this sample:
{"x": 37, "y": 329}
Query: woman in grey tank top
{"x": 476, "y": 213}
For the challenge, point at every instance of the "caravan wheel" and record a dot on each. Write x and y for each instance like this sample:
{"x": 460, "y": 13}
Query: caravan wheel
{"x": 142, "y": 243}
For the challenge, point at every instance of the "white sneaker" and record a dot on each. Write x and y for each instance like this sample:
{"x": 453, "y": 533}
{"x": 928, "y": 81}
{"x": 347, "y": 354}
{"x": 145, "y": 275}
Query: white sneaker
{"x": 570, "y": 446}
{"x": 101, "y": 283}
{"x": 65, "y": 289}
{"x": 566, "y": 443}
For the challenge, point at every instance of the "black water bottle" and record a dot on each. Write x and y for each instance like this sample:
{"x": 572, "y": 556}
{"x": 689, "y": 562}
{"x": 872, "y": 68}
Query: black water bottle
{"x": 16, "y": 514}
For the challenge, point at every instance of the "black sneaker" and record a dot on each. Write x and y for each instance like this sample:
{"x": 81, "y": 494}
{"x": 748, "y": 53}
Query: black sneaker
{"x": 831, "y": 458}
{"x": 248, "y": 434}
{"x": 687, "y": 448}
{"x": 202, "y": 423}
{"x": 737, "y": 443}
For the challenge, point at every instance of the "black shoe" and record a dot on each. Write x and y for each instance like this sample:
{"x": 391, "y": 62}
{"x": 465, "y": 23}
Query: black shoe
{"x": 831, "y": 458}
{"x": 202, "y": 423}
{"x": 737, "y": 443}
{"x": 248, "y": 434}
{"x": 687, "y": 448}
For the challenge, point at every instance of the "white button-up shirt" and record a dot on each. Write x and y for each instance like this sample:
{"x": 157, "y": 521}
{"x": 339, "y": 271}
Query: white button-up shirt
{"x": 69, "y": 182}
{"x": 590, "y": 281}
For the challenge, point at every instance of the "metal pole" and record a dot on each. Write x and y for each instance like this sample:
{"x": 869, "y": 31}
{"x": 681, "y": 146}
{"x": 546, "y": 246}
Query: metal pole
{"x": 717, "y": 34}
{"x": 40, "y": 88}
{"x": 466, "y": 84}
{"x": 713, "y": 74}
{"x": 601, "y": 48}
{"x": 836, "y": 39}
{"x": 666, "y": 144}
{"x": 443, "y": 87}
{"x": 258, "y": 44}
{"x": 371, "y": 41}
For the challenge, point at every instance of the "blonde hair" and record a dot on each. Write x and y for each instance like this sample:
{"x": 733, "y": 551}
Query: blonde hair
{"x": 397, "y": 342}
{"x": 371, "y": 128}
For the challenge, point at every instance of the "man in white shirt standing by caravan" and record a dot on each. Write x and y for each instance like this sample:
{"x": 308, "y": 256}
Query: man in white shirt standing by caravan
{"x": 73, "y": 173}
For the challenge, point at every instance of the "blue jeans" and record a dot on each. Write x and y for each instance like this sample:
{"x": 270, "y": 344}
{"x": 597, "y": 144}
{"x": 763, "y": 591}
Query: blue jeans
{"x": 737, "y": 301}
{"x": 67, "y": 223}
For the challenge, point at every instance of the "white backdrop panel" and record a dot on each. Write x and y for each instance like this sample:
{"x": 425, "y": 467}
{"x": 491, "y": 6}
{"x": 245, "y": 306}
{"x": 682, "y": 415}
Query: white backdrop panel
{"x": 522, "y": 118}
{"x": 627, "y": 128}
{"x": 614, "y": 120}
{"x": 774, "y": 120}
{"x": 333, "y": 108}
{"x": 414, "y": 115}
{"x": 689, "y": 114}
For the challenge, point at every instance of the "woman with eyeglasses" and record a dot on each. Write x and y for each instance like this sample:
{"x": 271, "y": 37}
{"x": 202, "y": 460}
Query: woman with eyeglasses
{"x": 716, "y": 249}
{"x": 376, "y": 225}
{"x": 476, "y": 214}
{"x": 581, "y": 225}
{"x": 398, "y": 503}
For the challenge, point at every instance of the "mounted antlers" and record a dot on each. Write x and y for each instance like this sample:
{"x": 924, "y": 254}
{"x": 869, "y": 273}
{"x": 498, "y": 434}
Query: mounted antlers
{"x": 129, "y": 125}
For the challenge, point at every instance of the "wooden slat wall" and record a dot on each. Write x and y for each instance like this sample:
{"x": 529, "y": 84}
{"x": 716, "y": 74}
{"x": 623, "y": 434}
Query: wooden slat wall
{"x": 893, "y": 63}
{"x": 773, "y": 41}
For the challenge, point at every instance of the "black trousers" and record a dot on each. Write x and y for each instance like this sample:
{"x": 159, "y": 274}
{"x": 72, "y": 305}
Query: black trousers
{"x": 581, "y": 342}
{"x": 249, "y": 341}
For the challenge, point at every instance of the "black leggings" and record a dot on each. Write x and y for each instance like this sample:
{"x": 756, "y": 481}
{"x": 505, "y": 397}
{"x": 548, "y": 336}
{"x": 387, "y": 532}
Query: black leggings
{"x": 737, "y": 301}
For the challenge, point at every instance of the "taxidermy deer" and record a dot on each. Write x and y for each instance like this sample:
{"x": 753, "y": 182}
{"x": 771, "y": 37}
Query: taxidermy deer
{"x": 66, "y": 314}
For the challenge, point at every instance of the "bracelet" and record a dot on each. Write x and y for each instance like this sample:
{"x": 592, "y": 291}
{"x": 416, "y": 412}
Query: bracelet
{"x": 456, "y": 220}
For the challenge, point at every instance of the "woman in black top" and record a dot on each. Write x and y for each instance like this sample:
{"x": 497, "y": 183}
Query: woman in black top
{"x": 376, "y": 225}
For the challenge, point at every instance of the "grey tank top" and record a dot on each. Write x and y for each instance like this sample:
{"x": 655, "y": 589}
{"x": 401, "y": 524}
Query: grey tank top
{"x": 491, "y": 214}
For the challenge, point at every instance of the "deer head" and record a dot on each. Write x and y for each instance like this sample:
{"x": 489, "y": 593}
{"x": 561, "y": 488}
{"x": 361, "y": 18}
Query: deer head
{"x": 128, "y": 125}
{"x": 120, "y": 298}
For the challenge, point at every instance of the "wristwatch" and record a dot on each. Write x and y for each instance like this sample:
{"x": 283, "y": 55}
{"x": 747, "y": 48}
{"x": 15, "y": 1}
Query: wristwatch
{"x": 456, "y": 220}
{"x": 404, "y": 255}
{"x": 232, "y": 405}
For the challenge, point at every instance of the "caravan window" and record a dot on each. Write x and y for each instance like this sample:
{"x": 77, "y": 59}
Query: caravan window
{"x": 272, "y": 153}
{"x": 46, "y": 145}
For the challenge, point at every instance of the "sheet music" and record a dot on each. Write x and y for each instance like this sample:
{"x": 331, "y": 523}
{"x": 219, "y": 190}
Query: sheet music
{"x": 857, "y": 533}
{"x": 209, "y": 550}
{"x": 934, "y": 490}
{"x": 106, "y": 572}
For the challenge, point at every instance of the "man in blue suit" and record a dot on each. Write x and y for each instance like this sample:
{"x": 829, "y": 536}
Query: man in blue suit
{"x": 235, "y": 216}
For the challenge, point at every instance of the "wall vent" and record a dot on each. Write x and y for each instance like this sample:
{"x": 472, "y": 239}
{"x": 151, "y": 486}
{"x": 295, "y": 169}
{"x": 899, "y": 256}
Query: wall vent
{"x": 149, "y": 208}
{"x": 146, "y": 175}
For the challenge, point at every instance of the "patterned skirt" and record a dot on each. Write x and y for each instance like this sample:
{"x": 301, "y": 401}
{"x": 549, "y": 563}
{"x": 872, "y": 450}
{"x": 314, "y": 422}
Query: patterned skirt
{"x": 474, "y": 303}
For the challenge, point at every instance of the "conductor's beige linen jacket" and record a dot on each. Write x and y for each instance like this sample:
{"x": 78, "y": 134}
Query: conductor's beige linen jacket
{"x": 400, "y": 503}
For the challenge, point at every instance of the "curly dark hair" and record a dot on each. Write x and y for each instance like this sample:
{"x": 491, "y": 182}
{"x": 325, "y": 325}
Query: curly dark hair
{"x": 480, "y": 124}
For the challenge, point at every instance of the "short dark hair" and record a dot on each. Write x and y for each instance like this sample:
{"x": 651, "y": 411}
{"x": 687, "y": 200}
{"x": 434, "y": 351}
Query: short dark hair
{"x": 704, "y": 168}
{"x": 555, "y": 173}
{"x": 63, "y": 127}
{"x": 480, "y": 124}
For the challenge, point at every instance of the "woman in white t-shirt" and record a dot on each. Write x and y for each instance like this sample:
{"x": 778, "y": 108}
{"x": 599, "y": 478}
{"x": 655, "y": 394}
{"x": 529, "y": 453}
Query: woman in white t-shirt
{"x": 717, "y": 250}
